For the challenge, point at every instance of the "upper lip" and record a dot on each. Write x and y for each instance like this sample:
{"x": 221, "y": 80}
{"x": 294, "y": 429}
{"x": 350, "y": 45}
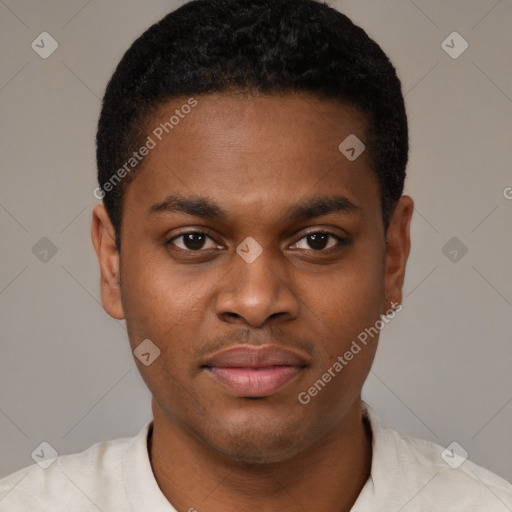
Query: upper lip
{"x": 263, "y": 356}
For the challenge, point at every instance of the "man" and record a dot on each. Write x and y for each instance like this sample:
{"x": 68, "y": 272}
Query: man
{"x": 253, "y": 233}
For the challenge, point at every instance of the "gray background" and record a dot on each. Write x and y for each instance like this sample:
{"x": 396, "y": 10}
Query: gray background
{"x": 443, "y": 369}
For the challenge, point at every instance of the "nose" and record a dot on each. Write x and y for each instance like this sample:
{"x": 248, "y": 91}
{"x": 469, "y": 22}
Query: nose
{"x": 256, "y": 291}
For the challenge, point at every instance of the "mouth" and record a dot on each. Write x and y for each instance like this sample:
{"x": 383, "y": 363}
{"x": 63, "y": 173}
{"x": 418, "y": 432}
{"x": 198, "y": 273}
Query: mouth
{"x": 255, "y": 371}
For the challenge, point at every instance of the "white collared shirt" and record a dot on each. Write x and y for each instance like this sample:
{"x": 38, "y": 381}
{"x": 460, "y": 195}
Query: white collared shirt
{"x": 407, "y": 475}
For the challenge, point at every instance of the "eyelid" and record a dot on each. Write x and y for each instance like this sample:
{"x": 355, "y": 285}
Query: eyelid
{"x": 326, "y": 231}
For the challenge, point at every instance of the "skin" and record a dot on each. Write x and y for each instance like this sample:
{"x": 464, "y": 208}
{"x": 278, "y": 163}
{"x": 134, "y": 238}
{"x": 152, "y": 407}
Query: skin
{"x": 255, "y": 156}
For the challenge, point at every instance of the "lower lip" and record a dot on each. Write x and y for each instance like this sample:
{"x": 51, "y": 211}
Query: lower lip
{"x": 255, "y": 382}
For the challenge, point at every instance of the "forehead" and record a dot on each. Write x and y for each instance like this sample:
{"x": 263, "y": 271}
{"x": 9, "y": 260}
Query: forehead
{"x": 251, "y": 120}
{"x": 253, "y": 150}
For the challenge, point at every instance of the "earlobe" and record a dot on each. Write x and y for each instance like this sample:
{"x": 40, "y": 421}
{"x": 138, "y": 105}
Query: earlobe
{"x": 103, "y": 239}
{"x": 398, "y": 246}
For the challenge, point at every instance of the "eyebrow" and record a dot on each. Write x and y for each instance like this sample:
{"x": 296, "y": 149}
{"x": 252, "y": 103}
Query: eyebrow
{"x": 205, "y": 208}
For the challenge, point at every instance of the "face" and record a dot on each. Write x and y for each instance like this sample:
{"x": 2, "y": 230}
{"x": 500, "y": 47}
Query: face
{"x": 253, "y": 254}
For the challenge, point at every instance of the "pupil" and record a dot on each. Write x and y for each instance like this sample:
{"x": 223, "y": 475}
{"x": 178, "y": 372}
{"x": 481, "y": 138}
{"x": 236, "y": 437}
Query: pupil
{"x": 318, "y": 241}
{"x": 193, "y": 241}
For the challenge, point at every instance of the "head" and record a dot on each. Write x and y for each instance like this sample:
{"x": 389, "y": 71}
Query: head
{"x": 222, "y": 133}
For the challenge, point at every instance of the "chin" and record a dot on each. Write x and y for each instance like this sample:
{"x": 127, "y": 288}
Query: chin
{"x": 249, "y": 453}
{"x": 256, "y": 442}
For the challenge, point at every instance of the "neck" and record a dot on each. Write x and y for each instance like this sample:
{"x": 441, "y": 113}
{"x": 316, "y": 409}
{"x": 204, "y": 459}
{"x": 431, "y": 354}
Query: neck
{"x": 328, "y": 476}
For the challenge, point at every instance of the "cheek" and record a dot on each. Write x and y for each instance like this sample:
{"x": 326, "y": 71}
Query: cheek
{"x": 347, "y": 340}
{"x": 166, "y": 304}
{"x": 154, "y": 299}
{"x": 348, "y": 307}
{"x": 351, "y": 298}
{"x": 161, "y": 305}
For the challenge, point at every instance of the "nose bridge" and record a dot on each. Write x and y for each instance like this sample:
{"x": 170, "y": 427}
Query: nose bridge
{"x": 257, "y": 287}
{"x": 258, "y": 273}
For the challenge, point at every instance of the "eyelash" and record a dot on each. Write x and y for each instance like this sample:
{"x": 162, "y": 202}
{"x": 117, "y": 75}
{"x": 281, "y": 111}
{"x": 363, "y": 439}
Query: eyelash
{"x": 341, "y": 241}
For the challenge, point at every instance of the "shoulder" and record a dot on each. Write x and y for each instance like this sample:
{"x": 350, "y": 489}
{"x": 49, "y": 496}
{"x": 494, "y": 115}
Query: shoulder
{"x": 419, "y": 474}
{"x": 85, "y": 481}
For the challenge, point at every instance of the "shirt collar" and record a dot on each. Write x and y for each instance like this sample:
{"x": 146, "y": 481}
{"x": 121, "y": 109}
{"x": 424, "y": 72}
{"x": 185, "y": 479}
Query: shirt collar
{"x": 383, "y": 465}
{"x": 139, "y": 481}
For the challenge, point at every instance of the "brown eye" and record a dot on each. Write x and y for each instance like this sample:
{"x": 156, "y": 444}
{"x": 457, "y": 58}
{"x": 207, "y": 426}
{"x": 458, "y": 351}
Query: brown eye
{"x": 192, "y": 241}
{"x": 319, "y": 241}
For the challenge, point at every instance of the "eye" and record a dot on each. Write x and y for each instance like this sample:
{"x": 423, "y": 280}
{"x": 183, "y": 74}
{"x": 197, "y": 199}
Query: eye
{"x": 196, "y": 241}
{"x": 192, "y": 241}
{"x": 318, "y": 241}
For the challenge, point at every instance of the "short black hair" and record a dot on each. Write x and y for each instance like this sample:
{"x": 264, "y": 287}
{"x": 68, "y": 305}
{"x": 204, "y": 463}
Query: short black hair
{"x": 263, "y": 46}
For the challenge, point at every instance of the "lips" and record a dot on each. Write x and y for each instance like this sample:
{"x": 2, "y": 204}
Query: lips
{"x": 255, "y": 371}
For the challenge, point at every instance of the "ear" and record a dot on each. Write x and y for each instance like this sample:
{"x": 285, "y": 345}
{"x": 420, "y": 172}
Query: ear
{"x": 398, "y": 247}
{"x": 103, "y": 238}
